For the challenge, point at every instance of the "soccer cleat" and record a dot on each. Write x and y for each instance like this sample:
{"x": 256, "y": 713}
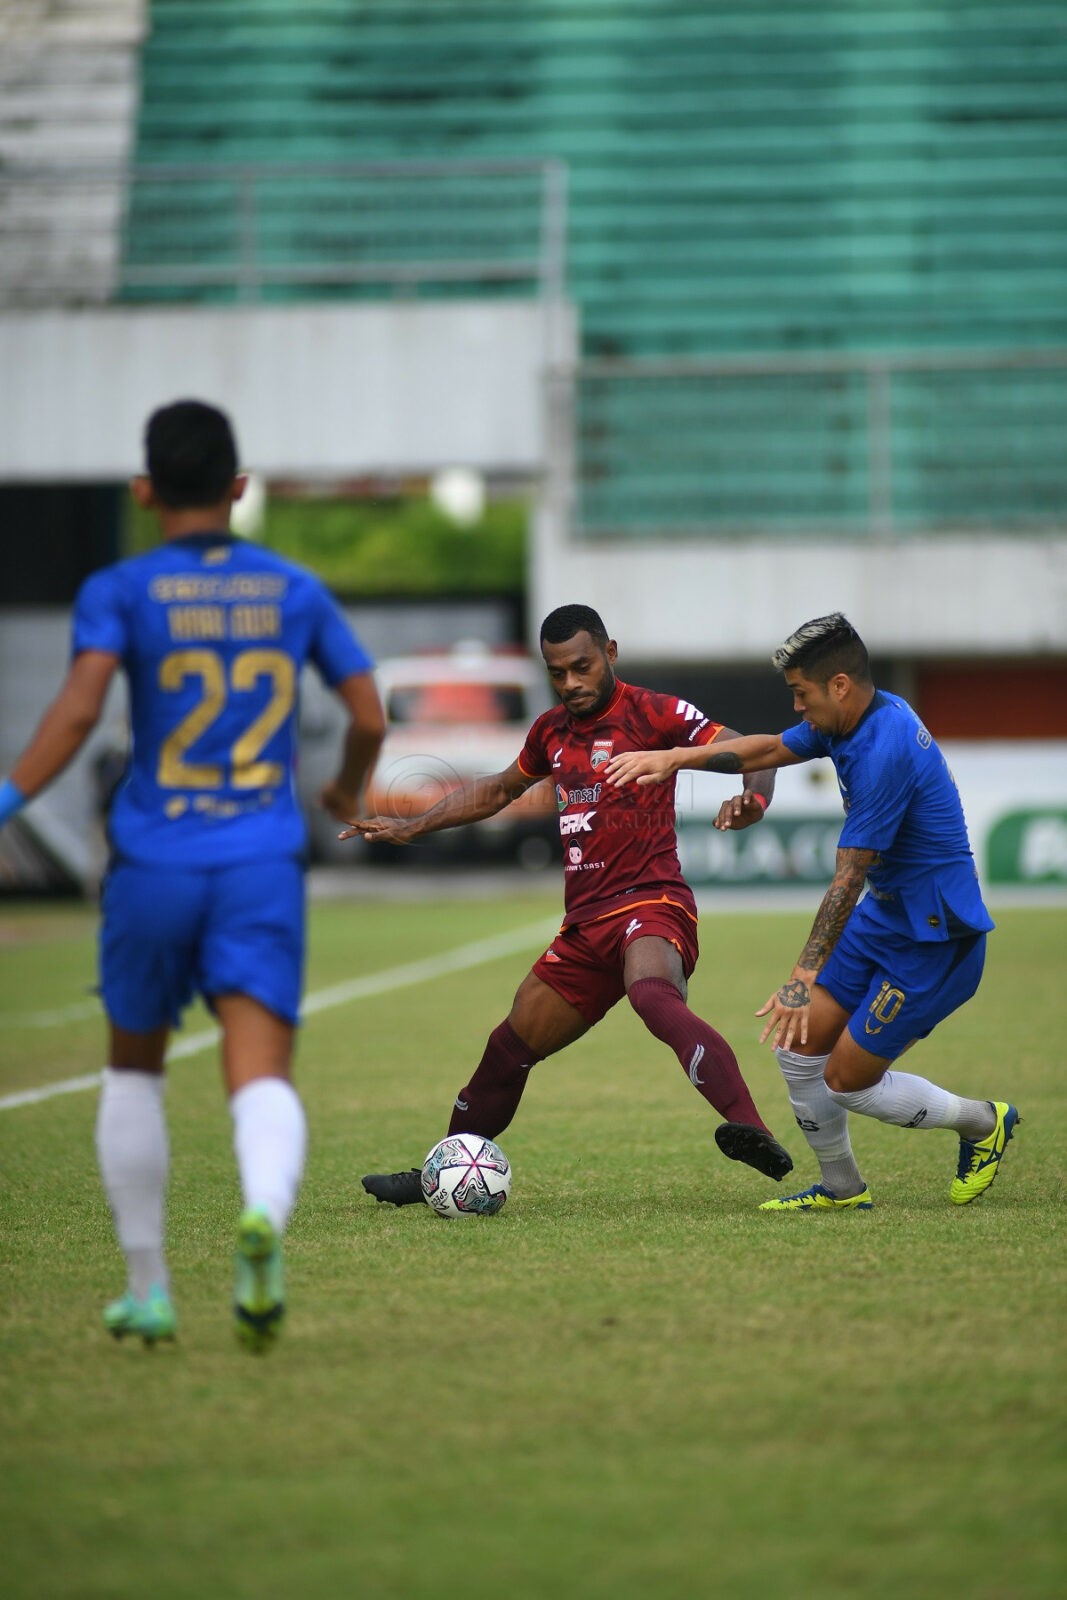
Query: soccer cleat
{"x": 980, "y": 1160}
{"x": 398, "y": 1188}
{"x": 739, "y": 1141}
{"x": 153, "y": 1317}
{"x": 819, "y": 1199}
{"x": 258, "y": 1298}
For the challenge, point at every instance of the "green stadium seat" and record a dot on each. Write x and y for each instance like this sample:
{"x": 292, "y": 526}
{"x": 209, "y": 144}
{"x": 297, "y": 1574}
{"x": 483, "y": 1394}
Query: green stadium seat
{"x": 850, "y": 178}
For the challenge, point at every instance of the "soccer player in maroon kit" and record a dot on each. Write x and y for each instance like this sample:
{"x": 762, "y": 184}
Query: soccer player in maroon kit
{"x": 630, "y": 924}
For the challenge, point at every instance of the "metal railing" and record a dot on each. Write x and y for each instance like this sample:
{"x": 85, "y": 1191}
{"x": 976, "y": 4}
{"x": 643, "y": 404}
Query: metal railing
{"x": 884, "y": 443}
{"x": 247, "y": 233}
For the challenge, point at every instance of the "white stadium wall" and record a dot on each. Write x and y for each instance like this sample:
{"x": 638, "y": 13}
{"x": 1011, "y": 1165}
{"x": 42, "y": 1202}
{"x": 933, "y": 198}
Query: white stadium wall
{"x": 315, "y": 391}
{"x": 735, "y": 600}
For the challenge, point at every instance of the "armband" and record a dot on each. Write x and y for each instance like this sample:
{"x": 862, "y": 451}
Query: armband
{"x": 12, "y": 799}
{"x": 762, "y": 798}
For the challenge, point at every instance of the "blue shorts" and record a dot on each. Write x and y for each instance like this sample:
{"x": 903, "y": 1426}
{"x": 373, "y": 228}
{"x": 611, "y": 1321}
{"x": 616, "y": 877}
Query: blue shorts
{"x": 897, "y": 989}
{"x": 169, "y": 934}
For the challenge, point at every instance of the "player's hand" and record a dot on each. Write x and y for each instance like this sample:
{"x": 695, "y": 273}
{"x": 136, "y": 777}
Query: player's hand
{"x": 741, "y": 811}
{"x": 381, "y": 830}
{"x": 641, "y": 767}
{"x": 788, "y": 1009}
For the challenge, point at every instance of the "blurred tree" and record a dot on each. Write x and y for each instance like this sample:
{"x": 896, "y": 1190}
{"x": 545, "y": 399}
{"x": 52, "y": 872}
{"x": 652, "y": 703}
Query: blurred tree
{"x": 403, "y": 546}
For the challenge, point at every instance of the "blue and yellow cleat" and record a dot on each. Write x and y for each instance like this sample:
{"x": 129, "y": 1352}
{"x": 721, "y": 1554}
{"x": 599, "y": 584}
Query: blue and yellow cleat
{"x": 980, "y": 1161}
{"x": 259, "y": 1293}
{"x": 819, "y": 1199}
{"x": 154, "y": 1317}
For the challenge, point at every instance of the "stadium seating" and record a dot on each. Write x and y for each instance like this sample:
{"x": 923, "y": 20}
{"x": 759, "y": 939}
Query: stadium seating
{"x": 68, "y": 94}
{"x": 747, "y": 177}
{"x": 742, "y": 176}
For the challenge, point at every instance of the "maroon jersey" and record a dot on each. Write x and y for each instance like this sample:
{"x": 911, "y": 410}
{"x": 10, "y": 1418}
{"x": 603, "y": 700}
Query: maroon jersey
{"x": 619, "y": 845}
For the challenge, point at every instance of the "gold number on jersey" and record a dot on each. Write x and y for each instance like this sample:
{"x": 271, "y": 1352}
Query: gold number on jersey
{"x": 248, "y": 668}
{"x": 247, "y": 771}
{"x": 174, "y": 670}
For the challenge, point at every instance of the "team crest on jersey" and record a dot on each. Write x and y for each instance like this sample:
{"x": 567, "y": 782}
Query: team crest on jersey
{"x": 601, "y": 755}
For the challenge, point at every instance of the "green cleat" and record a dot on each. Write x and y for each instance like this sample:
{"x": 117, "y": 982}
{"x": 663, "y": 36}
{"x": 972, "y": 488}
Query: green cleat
{"x": 980, "y": 1161}
{"x": 819, "y": 1199}
{"x": 259, "y": 1302}
{"x": 153, "y": 1317}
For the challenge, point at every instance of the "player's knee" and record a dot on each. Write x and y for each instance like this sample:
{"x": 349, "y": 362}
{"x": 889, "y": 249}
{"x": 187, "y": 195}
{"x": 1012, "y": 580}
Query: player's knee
{"x": 648, "y": 995}
{"x": 837, "y": 1077}
{"x": 847, "y": 1077}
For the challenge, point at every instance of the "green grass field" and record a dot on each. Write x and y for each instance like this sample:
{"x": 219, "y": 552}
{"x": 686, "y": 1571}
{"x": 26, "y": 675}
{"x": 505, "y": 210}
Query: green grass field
{"x": 630, "y": 1384}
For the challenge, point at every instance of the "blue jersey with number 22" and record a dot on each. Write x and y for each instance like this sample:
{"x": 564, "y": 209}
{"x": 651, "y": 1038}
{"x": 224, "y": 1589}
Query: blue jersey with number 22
{"x": 901, "y": 801}
{"x": 212, "y": 633}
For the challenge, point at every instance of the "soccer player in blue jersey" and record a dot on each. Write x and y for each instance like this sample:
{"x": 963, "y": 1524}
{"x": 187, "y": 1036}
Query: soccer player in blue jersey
{"x": 205, "y": 886}
{"x": 877, "y": 973}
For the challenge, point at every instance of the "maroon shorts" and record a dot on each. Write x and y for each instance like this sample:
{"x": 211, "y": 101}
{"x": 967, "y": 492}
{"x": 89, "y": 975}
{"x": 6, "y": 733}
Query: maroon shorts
{"x": 584, "y": 963}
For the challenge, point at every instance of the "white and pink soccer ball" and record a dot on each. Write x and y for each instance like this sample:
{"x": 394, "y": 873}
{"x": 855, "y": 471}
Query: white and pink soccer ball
{"x": 465, "y": 1175}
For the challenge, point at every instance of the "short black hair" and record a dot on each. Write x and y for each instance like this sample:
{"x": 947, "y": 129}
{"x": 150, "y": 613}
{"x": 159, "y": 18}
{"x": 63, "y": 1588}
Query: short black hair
{"x": 824, "y": 647}
{"x": 563, "y": 623}
{"x": 190, "y": 454}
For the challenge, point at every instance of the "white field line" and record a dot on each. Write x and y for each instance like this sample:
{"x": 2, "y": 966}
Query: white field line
{"x": 460, "y": 959}
{"x": 54, "y": 1019}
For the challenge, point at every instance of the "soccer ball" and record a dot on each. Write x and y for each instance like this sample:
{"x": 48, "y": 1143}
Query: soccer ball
{"x": 466, "y": 1176}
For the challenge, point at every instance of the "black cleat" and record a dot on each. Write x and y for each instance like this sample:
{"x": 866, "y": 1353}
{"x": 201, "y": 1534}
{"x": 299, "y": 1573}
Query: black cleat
{"x": 398, "y": 1188}
{"x": 739, "y": 1141}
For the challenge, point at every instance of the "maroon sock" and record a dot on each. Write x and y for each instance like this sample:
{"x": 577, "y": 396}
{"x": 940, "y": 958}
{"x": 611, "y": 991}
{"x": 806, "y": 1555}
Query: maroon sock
{"x": 705, "y": 1055}
{"x": 491, "y": 1099}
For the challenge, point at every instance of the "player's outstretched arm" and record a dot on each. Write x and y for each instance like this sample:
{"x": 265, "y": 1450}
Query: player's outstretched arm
{"x": 473, "y": 802}
{"x": 66, "y": 724}
{"x": 363, "y": 740}
{"x": 789, "y": 1008}
{"x": 753, "y": 753}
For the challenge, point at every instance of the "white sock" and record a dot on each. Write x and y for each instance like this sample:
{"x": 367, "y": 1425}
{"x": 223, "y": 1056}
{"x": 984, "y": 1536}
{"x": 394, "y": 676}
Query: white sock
{"x": 270, "y": 1142}
{"x": 132, "y": 1151}
{"x": 822, "y": 1122}
{"x": 912, "y": 1102}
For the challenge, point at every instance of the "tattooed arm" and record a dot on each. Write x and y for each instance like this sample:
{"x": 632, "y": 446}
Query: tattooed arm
{"x": 789, "y": 1008}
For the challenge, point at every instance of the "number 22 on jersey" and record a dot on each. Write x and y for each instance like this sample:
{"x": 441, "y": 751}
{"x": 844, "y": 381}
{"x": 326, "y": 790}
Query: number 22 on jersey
{"x": 246, "y": 770}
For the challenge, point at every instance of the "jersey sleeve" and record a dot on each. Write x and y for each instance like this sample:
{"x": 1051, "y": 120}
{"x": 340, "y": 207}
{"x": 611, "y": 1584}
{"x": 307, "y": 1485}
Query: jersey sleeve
{"x": 804, "y": 742}
{"x": 335, "y": 650}
{"x": 679, "y": 722}
{"x": 100, "y": 615}
{"x": 534, "y": 759}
